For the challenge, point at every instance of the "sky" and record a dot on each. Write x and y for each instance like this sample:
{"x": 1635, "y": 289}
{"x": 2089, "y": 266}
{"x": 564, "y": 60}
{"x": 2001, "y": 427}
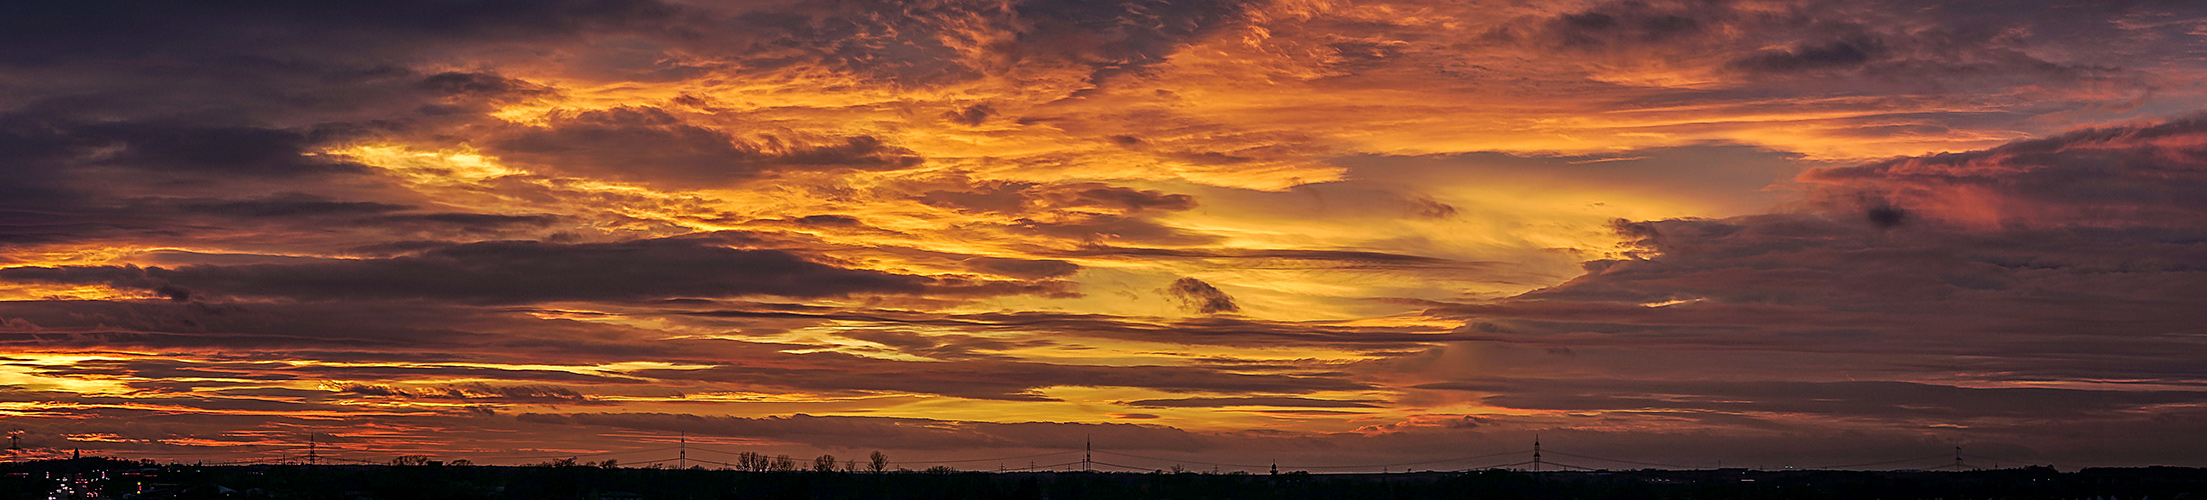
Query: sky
{"x": 1316, "y": 233}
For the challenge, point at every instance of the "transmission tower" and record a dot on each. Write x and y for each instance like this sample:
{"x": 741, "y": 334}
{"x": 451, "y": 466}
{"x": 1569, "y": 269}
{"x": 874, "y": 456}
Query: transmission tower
{"x": 683, "y": 456}
{"x": 1088, "y": 453}
{"x": 1536, "y": 453}
{"x": 312, "y": 458}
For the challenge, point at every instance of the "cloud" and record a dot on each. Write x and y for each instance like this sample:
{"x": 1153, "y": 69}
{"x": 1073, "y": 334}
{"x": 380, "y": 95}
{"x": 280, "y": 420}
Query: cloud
{"x": 2057, "y": 259}
{"x": 1276, "y": 258}
{"x": 509, "y": 272}
{"x": 1251, "y": 401}
{"x": 2117, "y": 176}
{"x": 1877, "y": 400}
{"x": 654, "y": 147}
{"x": 860, "y": 432}
{"x": 1121, "y": 199}
{"x": 1095, "y": 228}
{"x": 1837, "y": 54}
{"x": 286, "y": 205}
{"x": 1025, "y": 197}
{"x": 1202, "y": 298}
{"x": 477, "y": 393}
{"x": 231, "y": 222}
{"x": 47, "y": 155}
{"x": 1207, "y": 330}
{"x": 64, "y": 33}
{"x": 1023, "y": 268}
{"x": 1625, "y": 23}
{"x": 948, "y": 42}
{"x": 991, "y": 379}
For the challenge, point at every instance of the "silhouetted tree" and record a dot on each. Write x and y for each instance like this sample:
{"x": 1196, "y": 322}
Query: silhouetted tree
{"x": 877, "y": 462}
{"x": 782, "y": 463}
{"x": 824, "y": 463}
{"x": 753, "y": 462}
{"x": 560, "y": 462}
{"x": 410, "y": 460}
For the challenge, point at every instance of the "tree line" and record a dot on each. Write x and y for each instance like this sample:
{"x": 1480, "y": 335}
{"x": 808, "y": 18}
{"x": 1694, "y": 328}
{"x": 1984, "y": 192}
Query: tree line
{"x": 746, "y": 461}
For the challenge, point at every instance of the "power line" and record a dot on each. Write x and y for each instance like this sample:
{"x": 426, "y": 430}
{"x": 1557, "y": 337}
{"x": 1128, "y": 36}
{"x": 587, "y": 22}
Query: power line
{"x": 1053, "y": 466}
{"x": 573, "y": 455}
{"x": 1569, "y": 466}
{"x": 1123, "y": 466}
{"x": 1498, "y": 466}
{"x": 1674, "y": 466}
{"x": 970, "y": 460}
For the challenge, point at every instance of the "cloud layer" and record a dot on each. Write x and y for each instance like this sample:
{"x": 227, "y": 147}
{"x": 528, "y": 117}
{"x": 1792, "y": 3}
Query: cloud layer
{"x": 1320, "y": 232}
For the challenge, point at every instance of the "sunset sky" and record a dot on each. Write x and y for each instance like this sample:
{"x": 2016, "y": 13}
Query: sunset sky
{"x": 1311, "y": 232}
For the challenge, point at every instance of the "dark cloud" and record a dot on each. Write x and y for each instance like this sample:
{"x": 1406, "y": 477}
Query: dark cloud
{"x": 1092, "y": 197}
{"x": 1621, "y": 25}
{"x": 287, "y": 205}
{"x": 944, "y": 347}
{"x": 49, "y": 34}
{"x": 2140, "y": 175}
{"x": 1022, "y": 268}
{"x": 480, "y": 85}
{"x": 168, "y": 369}
{"x": 392, "y": 339}
{"x": 72, "y": 179}
{"x": 171, "y": 147}
{"x": 1251, "y": 401}
{"x": 971, "y": 115}
{"x": 1121, "y": 36}
{"x": 2052, "y": 259}
{"x": 930, "y": 42}
{"x": 413, "y": 344}
{"x": 1279, "y": 258}
{"x": 1200, "y": 297}
{"x": 1429, "y": 208}
{"x": 1886, "y": 216}
{"x": 465, "y": 222}
{"x": 1093, "y": 229}
{"x": 828, "y": 220}
{"x": 652, "y": 146}
{"x": 1095, "y": 195}
{"x": 224, "y": 371}
{"x": 511, "y": 272}
{"x": 1810, "y": 48}
{"x": 980, "y": 378}
{"x": 1883, "y": 400}
{"x": 863, "y": 433}
{"x": 1838, "y": 54}
{"x": 1209, "y": 330}
{"x": 477, "y": 393}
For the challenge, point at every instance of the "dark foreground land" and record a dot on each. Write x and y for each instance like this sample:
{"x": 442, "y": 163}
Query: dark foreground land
{"x": 99, "y": 478}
